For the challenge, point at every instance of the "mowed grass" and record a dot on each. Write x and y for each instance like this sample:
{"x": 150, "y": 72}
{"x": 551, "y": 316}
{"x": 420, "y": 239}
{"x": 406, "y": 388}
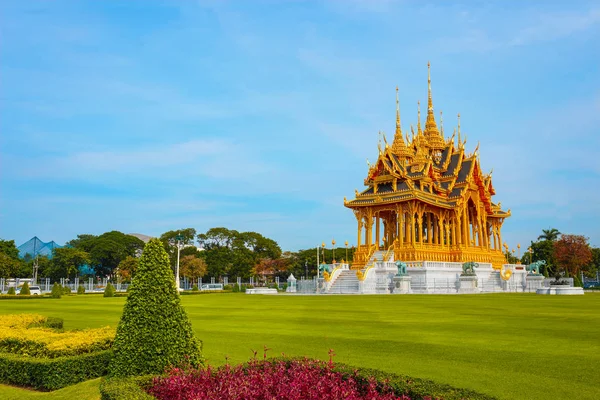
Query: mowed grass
{"x": 508, "y": 345}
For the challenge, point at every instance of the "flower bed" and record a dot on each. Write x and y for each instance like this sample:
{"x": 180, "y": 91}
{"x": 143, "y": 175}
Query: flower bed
{"x": 30, "y": 335}
{"x": 299, "y": 379}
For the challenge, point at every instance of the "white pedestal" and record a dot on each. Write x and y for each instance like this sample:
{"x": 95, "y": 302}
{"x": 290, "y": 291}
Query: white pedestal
{"x": 534, "y": 282}
{"x": 468, "y": 284}
{"x": 402, "y": 284}
{"x": 561, "y": 290}
{"x": 261, "y": 291}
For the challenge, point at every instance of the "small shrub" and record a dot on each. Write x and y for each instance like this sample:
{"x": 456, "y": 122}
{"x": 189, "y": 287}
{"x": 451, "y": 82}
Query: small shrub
{"x": 80, "y": 290}
{"x": 109, "y": 291}
{"x": 25, "y": 289}
{"x": 195, "y": 288}
{"x": 132, "y": 388}
{"x": 227, "y": 287}
{"x": 11, "y": 291}
{"x": 236, "y": 288}
{"x": 57, "y": 291}
{"x": 66, "y": 290}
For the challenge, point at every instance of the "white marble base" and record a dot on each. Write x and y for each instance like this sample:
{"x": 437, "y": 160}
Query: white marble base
{"x": 534, "y": 282}
{"x": 402, "y": 284}
{"x": 561, "y": 290}
{"x": 261, "y": 291}
{"x": 468, "y": 284}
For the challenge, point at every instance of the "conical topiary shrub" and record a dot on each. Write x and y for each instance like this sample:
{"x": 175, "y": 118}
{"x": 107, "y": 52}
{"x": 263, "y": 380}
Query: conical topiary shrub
{"x": 109, "y": 291}
{"x": 11, "y": 290}
{"x": 80, "y": 290}
{"x": 25, "y": 289}
{"x": 154, "y": 331}
{"x": 57, "y": 290}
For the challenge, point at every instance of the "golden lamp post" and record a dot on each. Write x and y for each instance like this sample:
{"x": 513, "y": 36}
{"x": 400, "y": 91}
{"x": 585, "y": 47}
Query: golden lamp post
{"x": 506, "y": 252}
{"x": 333, "y": 250}
{"x": 346, "y": 250}
{"x": 519, "y": 256}
{"x": 530, "y": 255}
{"x": 323, "y": 247}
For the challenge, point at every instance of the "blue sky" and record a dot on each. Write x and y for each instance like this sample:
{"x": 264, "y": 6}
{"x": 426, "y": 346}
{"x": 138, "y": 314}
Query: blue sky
{"x": 147, "y": 116}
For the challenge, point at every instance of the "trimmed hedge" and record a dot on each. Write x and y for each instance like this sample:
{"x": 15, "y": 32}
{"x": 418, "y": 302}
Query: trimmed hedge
{"x": 192, "y": 293}
{"x": 109, "y": 291}
{"x": 52, "y": 374}
{"x": 57, "y": 290}
{"x": 11, "y": 291}
{"x": 80, "y": 290}
{"x": 18, "y": 297}
{"x": 126, "y": 388}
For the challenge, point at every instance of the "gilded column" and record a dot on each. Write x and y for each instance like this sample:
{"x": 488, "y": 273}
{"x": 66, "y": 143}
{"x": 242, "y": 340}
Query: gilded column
{"x": 429, "y": 232}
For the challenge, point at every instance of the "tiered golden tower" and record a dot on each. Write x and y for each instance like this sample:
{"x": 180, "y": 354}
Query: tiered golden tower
{"x": 428, "y": 200}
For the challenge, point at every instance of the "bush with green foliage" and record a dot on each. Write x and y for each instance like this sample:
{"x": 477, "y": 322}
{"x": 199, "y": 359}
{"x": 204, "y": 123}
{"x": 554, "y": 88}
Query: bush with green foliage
{"x": 228, "y": 287}
{"x": 236, "y": 288}
{"x": 11, "y": 291}
{"x": 66, "y": 290}
{"x": 80, "y": 290}
{"x": 109, "y": 291}
{"x": 55, "y": 373}
{"x": 154, "y": 331}
{"x": 195, "y": 288}
{"x": 57, "y": 291}
{"x": 25, "y": 289}
{"x": 132, "y": 388}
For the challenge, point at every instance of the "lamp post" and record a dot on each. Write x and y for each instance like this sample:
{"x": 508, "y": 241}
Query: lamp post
{"x": 347, "y": 252}
{"x": 179, "y": 239}
{"x": 530, "y": 255}
{"x": 323, "y": 247}
{"x": 333, "y": 250}
{"x": 306, "y": 268}
{"x": 506, "y": 252}
{"x": 519, "y": 247}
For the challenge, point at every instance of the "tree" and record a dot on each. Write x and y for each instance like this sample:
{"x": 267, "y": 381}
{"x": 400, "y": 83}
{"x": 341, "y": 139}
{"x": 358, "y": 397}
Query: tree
{"x": 9, "y": 267}
{"x": 57, "y": 291}
{"x": 572, "y": 253}
{"x": 154, "y": 331}
{"x": 192, "y": 267}
{"x": 9, "y": 248}
{"x": 127, "y": 268}
{"x": 267, "y": 267}
{"x": 543, "y": 250}
{"x": 108, "y": 250}
{"x": 66, "y": 261}
{"x": 549, "y": 234}
{"x": 169, "y": 240}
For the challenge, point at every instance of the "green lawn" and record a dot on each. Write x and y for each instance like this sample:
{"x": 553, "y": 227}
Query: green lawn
{"x": 507, "y": 345}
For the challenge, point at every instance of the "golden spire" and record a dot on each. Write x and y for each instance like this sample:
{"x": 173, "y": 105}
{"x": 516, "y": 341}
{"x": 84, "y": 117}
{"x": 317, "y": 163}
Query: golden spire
{"x": 419, "y": 117}
{"x": 399, "y": 147}
{"x": 442, "y": 124}
{"x": 398, "y": 127}
{"x": 434, "y": 139}
{"x": 459, "y": 142}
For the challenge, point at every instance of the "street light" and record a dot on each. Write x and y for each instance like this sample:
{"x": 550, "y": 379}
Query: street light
{"x": 346, "y": 251}
{"x": 333, "y": 249}
{"x": 179, "y": 239}
{"x": 323, "y": 247}
{"x": 530, "y": 255}
{"x": 519, "y": 247}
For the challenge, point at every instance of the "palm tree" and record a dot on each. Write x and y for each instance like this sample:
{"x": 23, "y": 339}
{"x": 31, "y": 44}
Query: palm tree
{"x": 549, "y": 234}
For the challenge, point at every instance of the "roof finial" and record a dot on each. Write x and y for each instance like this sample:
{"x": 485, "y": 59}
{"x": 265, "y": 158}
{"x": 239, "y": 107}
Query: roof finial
{"x": 459, "y": 142}
{"x": 442, "y": 124}
{"x": 398, "y": 127}
{"x": 429, "y": 99}
{"x": 419, "y": 117}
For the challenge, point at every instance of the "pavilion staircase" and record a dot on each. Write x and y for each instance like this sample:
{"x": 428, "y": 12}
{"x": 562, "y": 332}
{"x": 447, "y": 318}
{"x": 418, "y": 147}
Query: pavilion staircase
{"x": 346, "y": 283}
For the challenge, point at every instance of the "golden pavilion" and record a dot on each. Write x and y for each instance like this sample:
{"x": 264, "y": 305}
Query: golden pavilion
{"x": 427, "y": 199}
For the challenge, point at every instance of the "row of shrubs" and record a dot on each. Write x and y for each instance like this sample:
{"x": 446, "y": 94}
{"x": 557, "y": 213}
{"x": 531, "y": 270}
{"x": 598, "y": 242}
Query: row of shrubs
{"x": 182, "y": 382}
{"x": 57, "y": 292}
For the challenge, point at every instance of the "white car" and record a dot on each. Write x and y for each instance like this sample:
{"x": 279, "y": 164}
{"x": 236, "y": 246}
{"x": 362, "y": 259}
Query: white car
{"x": 33, "y": 291}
